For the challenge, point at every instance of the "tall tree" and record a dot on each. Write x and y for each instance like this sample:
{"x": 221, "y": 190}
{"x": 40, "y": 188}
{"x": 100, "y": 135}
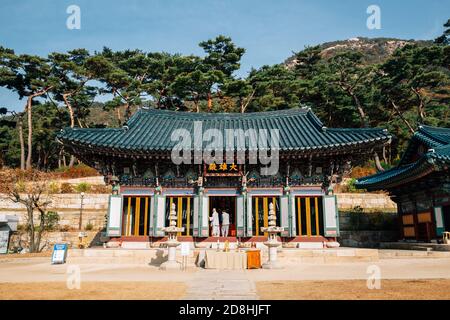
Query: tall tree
{"x": 348, "y": 74}
{"x": 127, "y": 79}
{"x": 445, "y": 37}
{"x": 74, "y": 70}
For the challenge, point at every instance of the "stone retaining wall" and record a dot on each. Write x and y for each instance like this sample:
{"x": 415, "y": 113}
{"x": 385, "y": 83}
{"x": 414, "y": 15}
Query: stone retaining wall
{"x": 20, "y": 239}
{"x": 68, "y": 208}
{"x": 366, "y": 238}
{"x": 369, "y": 202}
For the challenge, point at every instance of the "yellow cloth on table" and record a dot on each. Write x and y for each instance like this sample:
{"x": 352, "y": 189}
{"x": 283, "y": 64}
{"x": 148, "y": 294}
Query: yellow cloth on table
{"x": 225, "y": 260}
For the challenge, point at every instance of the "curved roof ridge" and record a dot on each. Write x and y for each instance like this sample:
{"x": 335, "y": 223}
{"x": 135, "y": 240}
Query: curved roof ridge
{"x": 439, "y": 135}
{"x": 289, "y": 111}
{"x": 375, "y": 129}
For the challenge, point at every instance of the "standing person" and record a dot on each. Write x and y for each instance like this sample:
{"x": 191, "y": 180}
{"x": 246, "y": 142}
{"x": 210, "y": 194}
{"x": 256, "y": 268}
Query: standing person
{"x": 215, "y": 223}
{"x": 225, "y": 223}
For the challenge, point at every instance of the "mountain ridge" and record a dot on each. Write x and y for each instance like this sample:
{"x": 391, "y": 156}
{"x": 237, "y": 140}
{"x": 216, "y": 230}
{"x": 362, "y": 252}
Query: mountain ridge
{"x": 374, "y": 50}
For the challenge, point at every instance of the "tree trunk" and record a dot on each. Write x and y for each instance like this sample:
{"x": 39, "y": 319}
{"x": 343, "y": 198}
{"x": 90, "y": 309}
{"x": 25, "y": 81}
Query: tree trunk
{"x": 69, "y": 108}
{"x": 118, "y": 115}
{"x": 22, "y": 143}
{"x": 360, "y": 109}
{"x": 72, "y": 161}
{"x": 377, "y": 162}
{"x": 30, "y": 133}
{"x": 384, "y": 155}
{"x": 401, "y": 117}
{"x": 196, "y": 104}
{"x": 127, "y": 111}
{"x": 30, "y": 123}
{"x": 245, "y": 104}
{"x": 209, "y": 102}
{"x": 31, "y": 227}
{"x": 72, "y": 121}
{"x": 421, "y": 107}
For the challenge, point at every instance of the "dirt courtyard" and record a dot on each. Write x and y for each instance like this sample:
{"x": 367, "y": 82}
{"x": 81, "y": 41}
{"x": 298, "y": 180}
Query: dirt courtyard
{"x": 435, "y": 289}
{"x": 92, "y": 291}
{"x": 34, "y": 277}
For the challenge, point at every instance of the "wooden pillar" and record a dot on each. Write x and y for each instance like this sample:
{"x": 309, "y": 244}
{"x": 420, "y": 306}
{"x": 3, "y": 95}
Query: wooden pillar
{"x": 316, "y": 209}
{"x": 137, "y": 213}
{"x": 256, "y": 216}
{"x": 299, "y": 215}
{"x": 128, "y": 227}
{"x": 146, "y": 217}
{"x": 188, "y": 215}
{"x": 308, "y": 216}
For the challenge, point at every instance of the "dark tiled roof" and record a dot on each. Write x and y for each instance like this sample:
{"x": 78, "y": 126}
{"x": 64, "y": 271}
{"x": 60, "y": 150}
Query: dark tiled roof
{"x": 437, "y": 157}
{"x": 150, "y": 130}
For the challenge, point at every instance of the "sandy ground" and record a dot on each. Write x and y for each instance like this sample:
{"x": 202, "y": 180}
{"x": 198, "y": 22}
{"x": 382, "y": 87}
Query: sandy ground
{"x": 435, "y": 289}
{"x": 92, "y": 291}
{"x": 25, "y": 277}
{"x": 25, "y": 255}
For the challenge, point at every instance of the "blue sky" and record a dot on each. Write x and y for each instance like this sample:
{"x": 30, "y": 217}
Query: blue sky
{"x": 270, "y": 30}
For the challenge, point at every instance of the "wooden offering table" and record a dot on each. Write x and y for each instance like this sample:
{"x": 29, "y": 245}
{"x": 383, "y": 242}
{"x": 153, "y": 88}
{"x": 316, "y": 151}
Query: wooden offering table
{"x": 253, "y": 259}
{"x": 225, "y": 260}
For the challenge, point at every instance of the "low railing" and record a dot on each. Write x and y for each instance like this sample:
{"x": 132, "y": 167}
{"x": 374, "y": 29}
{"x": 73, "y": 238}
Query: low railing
{"x": 137, "y": 181}
{"x": 182, "y": 182}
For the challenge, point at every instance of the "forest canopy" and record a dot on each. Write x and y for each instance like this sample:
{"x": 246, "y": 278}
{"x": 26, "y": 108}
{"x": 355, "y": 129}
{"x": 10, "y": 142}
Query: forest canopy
{"x": 396, "y": 84}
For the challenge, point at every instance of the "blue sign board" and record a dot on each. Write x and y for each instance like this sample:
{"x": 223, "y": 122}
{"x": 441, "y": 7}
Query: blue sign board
{"x": 59, "y": 253}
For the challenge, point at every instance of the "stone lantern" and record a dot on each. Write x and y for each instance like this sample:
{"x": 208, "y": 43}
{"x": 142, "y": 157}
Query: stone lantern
{"x": 172, "y": 242}
{"x": 272, "y": 241}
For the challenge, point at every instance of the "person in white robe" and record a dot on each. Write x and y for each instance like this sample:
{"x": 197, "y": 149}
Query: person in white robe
{"x": 225, "y": 223}
{"x": 215, "y": 223}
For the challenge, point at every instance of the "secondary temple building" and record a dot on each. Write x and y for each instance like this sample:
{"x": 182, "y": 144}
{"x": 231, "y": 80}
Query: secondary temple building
{"x": 420, "y": 185}
{"x": 138, "y": 160}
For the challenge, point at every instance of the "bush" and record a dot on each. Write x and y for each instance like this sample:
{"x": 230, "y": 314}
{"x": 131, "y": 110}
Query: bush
{"x": 89, "y": 227}
{"x": 359, "y": 172}
{"x": 78, "y": 171}
{"x": 65, "y": 228}
{"x": 66, "y": 188}
{"x": 350, "y": 187}
{"x": 51, "y": 220}
{"x": 100, "y": 189}
{"x": 53, "y": 187}
{"x": 82, "y": 187}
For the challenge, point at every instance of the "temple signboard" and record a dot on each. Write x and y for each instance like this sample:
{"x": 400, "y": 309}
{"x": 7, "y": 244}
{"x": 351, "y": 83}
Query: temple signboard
{"x": 222, "y": 169}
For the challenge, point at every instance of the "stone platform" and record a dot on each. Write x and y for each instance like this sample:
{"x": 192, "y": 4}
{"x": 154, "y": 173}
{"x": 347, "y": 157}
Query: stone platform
{"x": 155, "y": 257}
{"x": 419, "y": 246}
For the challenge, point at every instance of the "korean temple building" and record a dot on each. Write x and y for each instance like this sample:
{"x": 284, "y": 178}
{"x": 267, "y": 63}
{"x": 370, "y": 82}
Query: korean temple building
{"x": 136, "y": 159}
{"x": 420, "y": 185}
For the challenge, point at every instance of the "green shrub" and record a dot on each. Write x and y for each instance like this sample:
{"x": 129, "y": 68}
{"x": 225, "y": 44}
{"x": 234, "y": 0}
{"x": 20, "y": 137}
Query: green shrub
{"x": 89, "y": 227}
{"x": 53, "y": 187}
{"x": 51, "y": 220}
{"x": 82, "y": 187}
